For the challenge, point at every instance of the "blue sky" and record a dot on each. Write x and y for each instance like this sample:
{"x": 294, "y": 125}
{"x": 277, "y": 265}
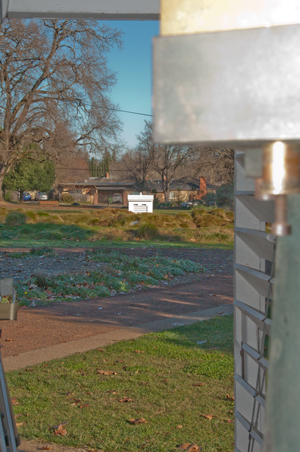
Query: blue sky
{"x": 133, "y": 65}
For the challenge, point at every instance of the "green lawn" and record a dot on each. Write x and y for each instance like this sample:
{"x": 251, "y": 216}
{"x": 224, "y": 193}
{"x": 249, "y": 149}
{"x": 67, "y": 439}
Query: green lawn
{"x": 179, "y": 381}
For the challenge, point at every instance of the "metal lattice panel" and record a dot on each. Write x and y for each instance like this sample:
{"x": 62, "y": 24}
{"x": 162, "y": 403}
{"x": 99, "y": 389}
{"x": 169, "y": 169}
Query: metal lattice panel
{"x": 253, "y": 286}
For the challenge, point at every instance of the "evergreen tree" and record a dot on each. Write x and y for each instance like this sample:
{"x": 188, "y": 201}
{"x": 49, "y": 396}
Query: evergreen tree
{"x": 28, "y": 175}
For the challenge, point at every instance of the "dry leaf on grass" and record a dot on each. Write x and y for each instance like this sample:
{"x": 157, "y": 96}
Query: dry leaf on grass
{"x": 193, "y": 448}
{"x": 139, "y": 351}
{"x": 19, "y": 424}
{"x": 14, "y": 401}
{"x": 198, "y": 384}
{"x": 60, "y": 430}
{"x": 141, "y": 420}
{"x": 189, "y": 447}
{"x": 101, "y": 350}
{"x": 179, "y": 426}
{"x": 112, "y": 391}
{"x": 229, "y": 398}
{"x": 17, "y": 415}
{"x": 45, "y": 448}
{"x": 106, "y": 372}
{"x": 85, "y": 405}
{"x": 126, "y": 399}
{"x": 184, "y": 446}
{"x": 230, "y": 421}
{"x": 207, "y": 416}
{"x": 231, "y": 411}
{"x": 56, "y": 426}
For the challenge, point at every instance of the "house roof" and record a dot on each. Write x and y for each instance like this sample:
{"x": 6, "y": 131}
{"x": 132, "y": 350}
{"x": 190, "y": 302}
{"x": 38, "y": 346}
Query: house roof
{"x": 101, "y": 183}
{"x": 182, "y": 184}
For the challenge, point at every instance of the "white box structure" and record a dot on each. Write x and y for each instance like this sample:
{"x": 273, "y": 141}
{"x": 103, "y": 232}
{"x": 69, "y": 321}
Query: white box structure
{"x": 140, "y": 203}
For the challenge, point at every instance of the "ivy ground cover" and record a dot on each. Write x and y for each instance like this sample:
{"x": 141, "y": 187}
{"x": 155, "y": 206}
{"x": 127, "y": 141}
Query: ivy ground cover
{"x": 116, "y": 273}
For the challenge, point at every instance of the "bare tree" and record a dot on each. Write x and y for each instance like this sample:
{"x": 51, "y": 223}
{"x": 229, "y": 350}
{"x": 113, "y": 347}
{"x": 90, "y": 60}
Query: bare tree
{"x": 138, "y": 162}
{"x": 164, "y": 159}
{"x": 54, "y": 87}
{"x": 72, "y": 168}
{"x": 216, "y": 164}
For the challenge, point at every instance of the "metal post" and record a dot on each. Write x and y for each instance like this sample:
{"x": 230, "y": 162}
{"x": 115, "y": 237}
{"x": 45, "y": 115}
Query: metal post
{"x": 283, "y": 407}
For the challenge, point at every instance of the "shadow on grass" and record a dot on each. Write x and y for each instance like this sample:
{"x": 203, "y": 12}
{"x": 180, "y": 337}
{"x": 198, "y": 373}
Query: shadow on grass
{"x": 213, "y": 334}
{"x": 45, "y": 231}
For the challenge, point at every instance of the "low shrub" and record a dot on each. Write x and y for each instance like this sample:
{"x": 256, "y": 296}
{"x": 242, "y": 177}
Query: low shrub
{"x": 219, "y": 213}
{"x": 15, "y": 219}
{"x": 209, "y": 199}
{"x": 148, "y": 231}
{"x": 41, "y": 281}
{"x": 7, "y": 196}
{"x": 230, "y": 215}
{"x": 31, "y": 216}
{"x": 225, "y": 195}
{"x": 67, "y": 198}
{"x": 41, "y": 251}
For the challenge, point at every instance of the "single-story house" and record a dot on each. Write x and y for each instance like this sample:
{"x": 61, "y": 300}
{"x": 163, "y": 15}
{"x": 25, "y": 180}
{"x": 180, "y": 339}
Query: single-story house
{"x": 98, "y": 190}
{"x": 181, "y": 190}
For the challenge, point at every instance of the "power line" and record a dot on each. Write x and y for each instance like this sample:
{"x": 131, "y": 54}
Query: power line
{"x": 118, "y": 109}
{"x": 86, "y": 169}
{"x": 125, "y": 111}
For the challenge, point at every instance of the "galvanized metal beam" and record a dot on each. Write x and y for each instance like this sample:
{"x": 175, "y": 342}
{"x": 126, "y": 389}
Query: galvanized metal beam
{"x": 78, "y": 9}
{"x": 234, "y": 88}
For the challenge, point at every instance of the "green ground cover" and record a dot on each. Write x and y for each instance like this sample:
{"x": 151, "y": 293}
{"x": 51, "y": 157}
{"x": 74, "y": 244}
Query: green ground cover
{"x": 66, "y": 228}
{"x": 179, "y": 381}
{"x": 117, "y": 273}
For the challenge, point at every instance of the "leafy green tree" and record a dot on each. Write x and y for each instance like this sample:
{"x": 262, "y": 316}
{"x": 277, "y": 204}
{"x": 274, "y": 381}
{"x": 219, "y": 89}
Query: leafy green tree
{"x": 45, "y": 175}
{"x": 28, "y": 175}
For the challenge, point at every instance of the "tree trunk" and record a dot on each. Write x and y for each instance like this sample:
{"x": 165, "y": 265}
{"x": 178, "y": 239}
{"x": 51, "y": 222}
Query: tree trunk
{"x": 167, "y": 195}
{"x": 1, "y": 183}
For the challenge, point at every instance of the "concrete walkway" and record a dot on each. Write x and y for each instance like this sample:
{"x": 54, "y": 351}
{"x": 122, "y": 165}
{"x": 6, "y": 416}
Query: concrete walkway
{"x": 120, "y": 334}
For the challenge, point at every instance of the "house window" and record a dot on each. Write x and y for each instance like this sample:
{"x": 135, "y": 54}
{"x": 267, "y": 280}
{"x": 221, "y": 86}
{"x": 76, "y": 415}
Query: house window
{"x": 117, "y": 197}
{"x": 172, "y": 195}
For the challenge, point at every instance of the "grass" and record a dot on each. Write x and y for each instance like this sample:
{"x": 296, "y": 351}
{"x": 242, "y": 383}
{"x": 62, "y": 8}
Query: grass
{"x": 87, "y": 227}
{"x": 161, "y": 373}
{"x": 116, "y": 273}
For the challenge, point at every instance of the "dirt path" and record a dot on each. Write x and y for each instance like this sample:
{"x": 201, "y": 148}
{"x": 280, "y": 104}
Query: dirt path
{"x": 40, "y": 327}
